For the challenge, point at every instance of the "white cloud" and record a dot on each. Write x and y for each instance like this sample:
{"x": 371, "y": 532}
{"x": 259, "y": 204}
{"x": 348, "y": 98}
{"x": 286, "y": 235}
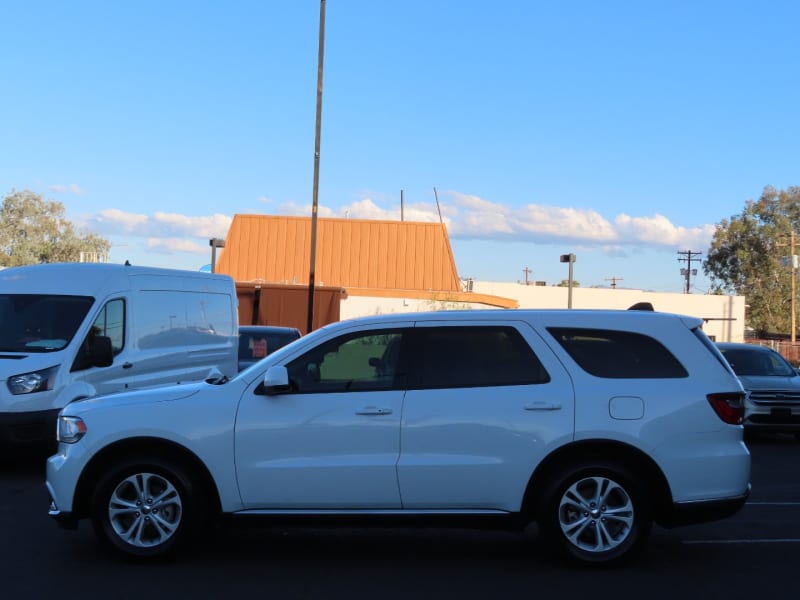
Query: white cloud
{"x": 113, "y": 220}
{"x": 659, "y": 231}
{"x": 215, "y": 225}
{"x": 466, "y": 217}
{"x": 72, "y": 188}
{"x": 165, "y": 225}
{"x": 172, "y": 245}
{"x": 563, "y": 223}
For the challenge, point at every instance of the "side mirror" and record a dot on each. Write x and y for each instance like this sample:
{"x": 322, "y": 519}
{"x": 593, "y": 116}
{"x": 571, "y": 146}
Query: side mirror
{"x": 101, "y": 353}
{"x": 276, "y": 380}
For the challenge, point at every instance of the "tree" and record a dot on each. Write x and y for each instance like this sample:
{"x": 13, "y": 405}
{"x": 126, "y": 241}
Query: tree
{"x": 749, "y": 254}
{"x": 565, "y": 283}
{"x": 34, "y": 230}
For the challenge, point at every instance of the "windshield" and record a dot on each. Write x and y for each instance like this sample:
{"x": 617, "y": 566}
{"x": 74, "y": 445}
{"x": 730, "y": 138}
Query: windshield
{"x": 39, "y": 322}
{"x": 746, "y": 362}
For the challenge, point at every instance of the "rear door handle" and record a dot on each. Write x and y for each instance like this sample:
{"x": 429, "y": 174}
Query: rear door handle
{"x": 373, "y": 410}
{"x": 543, "y": 406}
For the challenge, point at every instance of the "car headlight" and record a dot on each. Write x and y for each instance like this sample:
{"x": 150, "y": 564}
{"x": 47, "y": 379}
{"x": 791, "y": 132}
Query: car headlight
{"x": 28, "y": 383}
{"x": 70, "y": 429}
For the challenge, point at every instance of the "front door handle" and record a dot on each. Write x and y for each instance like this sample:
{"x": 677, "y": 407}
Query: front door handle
{"x": 373, "y": 410}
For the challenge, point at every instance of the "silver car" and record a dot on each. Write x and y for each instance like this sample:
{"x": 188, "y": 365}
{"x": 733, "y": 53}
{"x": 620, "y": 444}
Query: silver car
{"x": 772, "y": 385}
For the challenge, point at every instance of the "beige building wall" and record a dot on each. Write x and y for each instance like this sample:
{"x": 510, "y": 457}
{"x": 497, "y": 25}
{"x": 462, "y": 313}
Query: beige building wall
{"x": 723, "y": 315}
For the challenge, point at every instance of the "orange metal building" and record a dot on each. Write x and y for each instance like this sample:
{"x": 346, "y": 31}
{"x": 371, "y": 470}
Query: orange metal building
{"x": 354, "y": 257}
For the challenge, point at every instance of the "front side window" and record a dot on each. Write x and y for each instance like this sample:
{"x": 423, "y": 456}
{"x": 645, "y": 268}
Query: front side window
{"x": 475, "y": 356}
{"x": 618, "y": 354}
{"x": 111, "y": 323}
{"x": 364, "y": 361}
{"x": 40, "y": 322}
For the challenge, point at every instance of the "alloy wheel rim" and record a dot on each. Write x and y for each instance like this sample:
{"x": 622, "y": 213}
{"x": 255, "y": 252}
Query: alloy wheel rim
{"x": 145, "y": 510}
{"x": 596, "y": 514}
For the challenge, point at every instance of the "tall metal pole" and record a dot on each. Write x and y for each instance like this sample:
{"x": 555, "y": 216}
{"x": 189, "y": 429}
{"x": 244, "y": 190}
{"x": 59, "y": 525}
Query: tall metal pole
{"x": 569, "y": 288}
{"x": 794, "y": 293}
{"x": 568, "y": 258}
{"x": 315, "y": 202}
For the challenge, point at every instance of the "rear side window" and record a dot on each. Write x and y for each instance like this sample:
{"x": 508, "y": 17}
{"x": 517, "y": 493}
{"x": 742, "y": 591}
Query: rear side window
{"x": 166, "y": 319}
{"x": 452, "y": 357}
{"x": 618, "y": 354}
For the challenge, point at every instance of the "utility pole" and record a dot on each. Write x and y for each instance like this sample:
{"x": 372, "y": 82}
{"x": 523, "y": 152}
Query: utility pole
{"x": 688, "y": 256}
{"x": 613, "y": 279}
{"x": 792, "y": 262}
{"x": 315, "y": 191}
{"x": 527, "y": 272}
{"x": 794, "y": 293}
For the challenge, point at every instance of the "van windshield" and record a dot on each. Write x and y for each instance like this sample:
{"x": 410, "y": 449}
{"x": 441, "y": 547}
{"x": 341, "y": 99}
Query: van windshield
{"x": 40, "y": 322}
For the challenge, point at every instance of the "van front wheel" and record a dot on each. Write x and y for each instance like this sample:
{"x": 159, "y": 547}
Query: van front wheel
{"x": 144, "y": 509}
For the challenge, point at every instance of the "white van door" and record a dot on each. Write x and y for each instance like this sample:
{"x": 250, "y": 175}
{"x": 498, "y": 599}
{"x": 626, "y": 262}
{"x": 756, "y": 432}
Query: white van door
{"x": 181, "y": 336}
{"x": 111, "y": 321}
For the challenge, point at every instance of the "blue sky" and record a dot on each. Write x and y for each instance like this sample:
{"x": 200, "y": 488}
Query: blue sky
{"x": 621, "y": 131}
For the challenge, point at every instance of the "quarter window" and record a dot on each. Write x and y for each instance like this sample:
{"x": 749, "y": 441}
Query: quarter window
{"x": 618, "y": 354}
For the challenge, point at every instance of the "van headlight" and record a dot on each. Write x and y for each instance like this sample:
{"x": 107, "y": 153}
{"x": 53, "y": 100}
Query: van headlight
{"x": 28, "y": 383}
{"x": 70, "y": 429}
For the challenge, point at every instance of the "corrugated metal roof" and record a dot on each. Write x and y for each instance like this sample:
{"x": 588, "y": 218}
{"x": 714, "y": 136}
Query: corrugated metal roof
{"x": 351, "y": 253}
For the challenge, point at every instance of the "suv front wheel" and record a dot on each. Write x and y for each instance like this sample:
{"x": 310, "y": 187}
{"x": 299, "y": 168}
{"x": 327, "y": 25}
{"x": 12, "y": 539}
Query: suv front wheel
{"x": 596, "y": 513}
{"x": 144, "y": 509}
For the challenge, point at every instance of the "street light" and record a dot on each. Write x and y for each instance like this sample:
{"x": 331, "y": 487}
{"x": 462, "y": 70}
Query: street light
{"x": 568, "y": 258}
{"x": 215, "y": 243}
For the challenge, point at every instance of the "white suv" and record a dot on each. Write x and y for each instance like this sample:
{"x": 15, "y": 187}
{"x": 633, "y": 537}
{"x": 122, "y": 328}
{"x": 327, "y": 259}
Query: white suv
{"x": 594, "y": 424}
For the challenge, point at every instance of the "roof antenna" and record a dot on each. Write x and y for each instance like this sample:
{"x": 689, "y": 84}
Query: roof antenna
{"x": 642, "y": 306}
{"x": 437, "y": 206}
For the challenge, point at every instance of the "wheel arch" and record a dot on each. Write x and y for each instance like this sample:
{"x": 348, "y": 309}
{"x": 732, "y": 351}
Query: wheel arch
{"x": 125, "y": 450}
{"x": 639, "y": 463}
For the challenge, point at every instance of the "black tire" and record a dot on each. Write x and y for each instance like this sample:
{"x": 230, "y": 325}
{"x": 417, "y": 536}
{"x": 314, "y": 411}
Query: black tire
{"x": 145, "y": 509}
{"x": 596, "y": 513}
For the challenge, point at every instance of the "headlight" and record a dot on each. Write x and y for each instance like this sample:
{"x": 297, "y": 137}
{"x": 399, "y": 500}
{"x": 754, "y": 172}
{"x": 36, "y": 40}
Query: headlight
{"x": 27, "y": 383}
{"x": 70, "y": 429}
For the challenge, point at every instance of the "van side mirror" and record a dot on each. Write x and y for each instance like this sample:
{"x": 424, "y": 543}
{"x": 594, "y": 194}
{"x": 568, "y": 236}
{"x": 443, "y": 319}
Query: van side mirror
{"x": 276, "y": 380}
{"x": 101, "y": 353}
{"x": 95, "y": 351}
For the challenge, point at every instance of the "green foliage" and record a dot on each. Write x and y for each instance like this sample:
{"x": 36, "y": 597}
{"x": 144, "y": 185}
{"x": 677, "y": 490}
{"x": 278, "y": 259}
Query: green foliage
{"x": 565, "y": 283}
{"x": 747, "y": 258}
{"x": 34, "y": 230}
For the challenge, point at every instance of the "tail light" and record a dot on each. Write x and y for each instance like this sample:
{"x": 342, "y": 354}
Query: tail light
{"x": 729, "y": 406}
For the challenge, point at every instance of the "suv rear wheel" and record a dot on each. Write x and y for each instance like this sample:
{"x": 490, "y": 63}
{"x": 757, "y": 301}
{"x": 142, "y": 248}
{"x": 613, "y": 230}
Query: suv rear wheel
{"x": 144, "y": 508}
{"x": 596, "y": 513}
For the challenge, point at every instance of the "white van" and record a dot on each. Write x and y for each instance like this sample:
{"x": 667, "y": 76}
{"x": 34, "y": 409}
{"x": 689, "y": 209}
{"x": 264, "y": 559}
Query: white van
{"x": 75, "y": 330}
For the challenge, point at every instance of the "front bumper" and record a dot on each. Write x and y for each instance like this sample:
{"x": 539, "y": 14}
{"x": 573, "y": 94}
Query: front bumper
{"x": 64, "y": 520}
{"x": 776, "y": 419}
